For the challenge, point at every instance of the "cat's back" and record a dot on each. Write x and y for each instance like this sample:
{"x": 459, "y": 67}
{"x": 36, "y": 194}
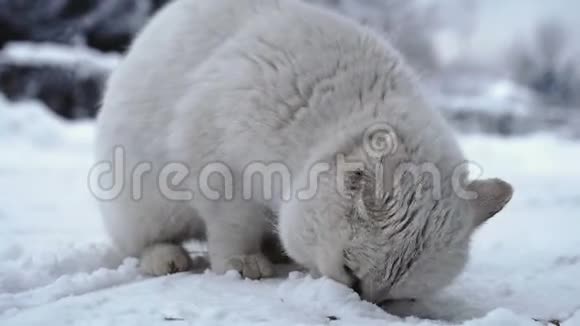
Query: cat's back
{"x": 144, "y": 89}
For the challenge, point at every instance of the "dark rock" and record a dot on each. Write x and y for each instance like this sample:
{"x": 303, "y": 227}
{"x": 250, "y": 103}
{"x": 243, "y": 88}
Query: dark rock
{"x": 71, "y": 90}
{"x": 113, "y": 23}
{"x": 107, "y": 25}
{"x": 67, "y": 91}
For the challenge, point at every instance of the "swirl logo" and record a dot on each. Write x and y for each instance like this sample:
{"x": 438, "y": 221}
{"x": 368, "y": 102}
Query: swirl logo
{"x": 380, "y": 140}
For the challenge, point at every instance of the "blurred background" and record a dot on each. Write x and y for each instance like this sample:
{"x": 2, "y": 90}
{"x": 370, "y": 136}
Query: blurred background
{"x": 507, "y": 67}
{"x": 505, "y": 73}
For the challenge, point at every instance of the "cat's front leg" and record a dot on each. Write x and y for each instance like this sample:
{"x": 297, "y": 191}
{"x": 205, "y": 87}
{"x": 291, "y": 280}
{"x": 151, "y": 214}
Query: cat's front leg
{"x": 234, "y": 233}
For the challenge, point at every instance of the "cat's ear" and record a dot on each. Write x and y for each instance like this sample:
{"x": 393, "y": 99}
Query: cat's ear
{"x": 491, "y": 197}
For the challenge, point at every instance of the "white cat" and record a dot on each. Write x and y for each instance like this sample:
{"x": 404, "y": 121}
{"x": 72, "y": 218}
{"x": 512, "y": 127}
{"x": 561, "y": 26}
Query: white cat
{"x": 276, "y": 87}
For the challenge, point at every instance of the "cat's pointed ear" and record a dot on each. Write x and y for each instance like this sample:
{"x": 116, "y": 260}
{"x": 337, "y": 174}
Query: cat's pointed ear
{"x": 492, "y": 196}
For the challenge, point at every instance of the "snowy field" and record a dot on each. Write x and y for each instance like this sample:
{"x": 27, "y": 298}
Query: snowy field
{"x": 57, "y": 267}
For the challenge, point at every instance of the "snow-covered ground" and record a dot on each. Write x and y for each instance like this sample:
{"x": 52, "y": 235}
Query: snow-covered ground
{"x": 57, "y": 267}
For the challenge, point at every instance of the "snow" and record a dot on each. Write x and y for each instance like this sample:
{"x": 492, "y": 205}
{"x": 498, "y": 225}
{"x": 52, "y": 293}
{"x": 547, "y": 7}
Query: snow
{"x": 58, "y": 55}
{"x": 492, "y": 95}
{"x": 57, "y": 266}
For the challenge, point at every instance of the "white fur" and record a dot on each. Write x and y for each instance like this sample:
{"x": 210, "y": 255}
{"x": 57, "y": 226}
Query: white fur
{"x": 242, "y": 81}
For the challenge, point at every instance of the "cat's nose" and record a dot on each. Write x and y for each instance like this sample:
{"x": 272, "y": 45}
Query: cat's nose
{"x": 357, "y": 287}
{"x": 364, "y": 291}
{"x": 370, "y": 291}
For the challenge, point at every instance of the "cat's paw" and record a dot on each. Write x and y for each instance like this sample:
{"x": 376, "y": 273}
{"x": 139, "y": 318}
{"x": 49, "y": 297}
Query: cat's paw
{"x": 254, "y": 267}
{"x": 164, "y": 259}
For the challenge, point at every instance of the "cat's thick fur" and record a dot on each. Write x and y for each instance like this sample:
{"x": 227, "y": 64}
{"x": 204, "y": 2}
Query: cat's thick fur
{"x": 235, "y": 82}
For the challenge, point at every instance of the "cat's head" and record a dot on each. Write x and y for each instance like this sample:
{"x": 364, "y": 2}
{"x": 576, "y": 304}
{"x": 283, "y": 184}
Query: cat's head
{"x": 395, "y": 243}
